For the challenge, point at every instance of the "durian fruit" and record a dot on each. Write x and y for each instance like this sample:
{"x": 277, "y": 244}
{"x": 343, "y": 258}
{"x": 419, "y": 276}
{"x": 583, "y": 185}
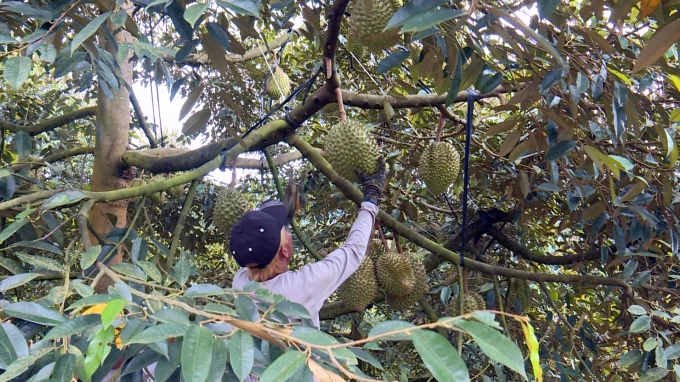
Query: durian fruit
{"x": 136, "y": 183}
{"x": 395, "y": 273}
{"x": 349, "y": 146}
{"x": 417, "y": 290}
{"x": 157, "y": 197}
{"x": 357, "y": 48}
{"x": 278, "y": 85}
{"x": 471, "y": 302}
{"x": 369, "y": 18}
{"x": 519, "y": 290}
{"x": 176, "y": 192}
{"x": 439, "y": 165}
{"x": 377, "y": 249}
{"x": 360, "y": 288}
{"x": 230, "y": 206}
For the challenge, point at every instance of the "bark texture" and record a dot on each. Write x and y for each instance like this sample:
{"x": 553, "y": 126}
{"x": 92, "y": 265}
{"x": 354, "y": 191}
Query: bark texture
{"x": 111, "y": 141}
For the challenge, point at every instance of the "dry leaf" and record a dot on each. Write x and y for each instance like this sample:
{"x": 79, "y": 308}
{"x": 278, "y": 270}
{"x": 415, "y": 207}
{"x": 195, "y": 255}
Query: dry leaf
{"x": 323, "y": 375}
{"x": 647, "y": 7}
{"x": 658, "y": 45}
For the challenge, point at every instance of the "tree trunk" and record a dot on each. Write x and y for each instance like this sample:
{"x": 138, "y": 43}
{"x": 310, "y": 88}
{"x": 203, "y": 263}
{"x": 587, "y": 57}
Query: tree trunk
{"x": 111, "y": 141}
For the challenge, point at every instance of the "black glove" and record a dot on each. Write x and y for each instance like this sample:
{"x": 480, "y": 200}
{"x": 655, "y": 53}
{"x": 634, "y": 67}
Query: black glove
{"x": 373, "y": 185}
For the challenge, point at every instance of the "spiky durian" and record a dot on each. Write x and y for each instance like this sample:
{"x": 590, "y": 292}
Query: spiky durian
{"x": 360, "y": 288}
{"x": 278, "y": 85}
{"x": 471, "y": 302}
{"x": 369, "y": 18}
{"x": 349, "y": 146}
{"x": 439, "y": 165}
{"x": 415, "y": 292}
{"x": 230, "y": 205}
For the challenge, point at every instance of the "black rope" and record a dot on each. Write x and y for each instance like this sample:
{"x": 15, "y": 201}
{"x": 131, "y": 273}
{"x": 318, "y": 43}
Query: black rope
{"x": 472, "y": 97}
{"x": 223, "y": 165}
{"x": 307, "y": 84}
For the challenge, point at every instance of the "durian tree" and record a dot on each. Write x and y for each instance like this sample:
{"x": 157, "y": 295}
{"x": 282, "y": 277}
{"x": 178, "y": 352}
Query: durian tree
{"x": 529, "y": 229}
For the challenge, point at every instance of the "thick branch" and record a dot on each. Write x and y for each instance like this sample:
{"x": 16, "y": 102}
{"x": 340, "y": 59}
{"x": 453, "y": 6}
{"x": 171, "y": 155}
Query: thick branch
{"x": 167, "y": 158}
{"x": 54, "y": 157}
{"x": 371, "y": 101}
{"x": 355, "y": 195}
{"x": 520, "y": 250}
{"x": 49, "y": 124}
{"x": 334, "y": 21}
{"x": 141, "y": 119}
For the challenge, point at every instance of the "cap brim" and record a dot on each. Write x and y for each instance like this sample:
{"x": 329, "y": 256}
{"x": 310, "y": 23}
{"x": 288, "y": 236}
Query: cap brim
{"x": 278, "y": 212}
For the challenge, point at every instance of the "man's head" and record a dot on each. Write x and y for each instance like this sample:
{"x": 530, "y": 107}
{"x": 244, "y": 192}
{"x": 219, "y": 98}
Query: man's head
{"x": 261, "y": 240}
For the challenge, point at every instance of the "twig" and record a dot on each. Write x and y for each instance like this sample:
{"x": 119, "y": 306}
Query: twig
{"x": 180, "y": 224}
{"x": 140, "y": 117}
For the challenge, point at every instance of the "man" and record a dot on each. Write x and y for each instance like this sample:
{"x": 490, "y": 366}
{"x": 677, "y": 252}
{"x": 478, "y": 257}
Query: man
{"x": 261, "y": 243}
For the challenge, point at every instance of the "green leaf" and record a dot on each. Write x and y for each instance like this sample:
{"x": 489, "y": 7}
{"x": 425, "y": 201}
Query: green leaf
{"x": 385, "y": 327}
{"x": 410, "y": 10}
{"x": 202, "y": 290}
{"x": 64, "y": 368}
{"x": 630, "y": 358}
{"x": 392, "y": 61}
{"x": 284, "y": 367}
{"x": 197, "y": 348}
{"x": 129, "y": 270}
{"x": 219, "y": 360}
{"x": 429, "y": 19}
{"x": 290, "y": 308}
{"x": 12, "y": 228}
{"x": 640, "y": 324}
{"x": 673, "y": 351}
{"x": 241, "y": 353}
{"x": 637, "y": 310}
{"x": 559, "y": 150}
{"x": 317, "y": 337}
{"x": 40, "y": 262}
{"x": 73, "y": 326}
{"x": 40, "y": 245}
{"x": 158, "y": 332}
{"x": 170, "y": 316}
{"x": 649, "y": 344}
{"x": 242, "y": 7}
{"x": 12, "y": 344}
{"x": 4, "y": 39}
{"x": 22, "y": 364}
{"x": 31, "y": 311}
{"x": 151, "y": 270}
{"x": 16, "y": 280}
{"x": 218, "y": 33}
{"x": 367, "y": 357}
{"x": 63, "y": 198}
{"x": 547, "y": 7}
{"x": 622, "y": 163}
{"x": 16, "y": 71}
{"x": 440, "y": 357}
{"x": 220, "y": 309}
{"x": 194, "y": 12}
{"x": 548, "y": 187}
{"x": 88, "y": 31}
{"x": 655, "y": 374}
{"x": 90, "y": 256}
{"x": 111, "y": 310}
{"x": 495, "y": 345}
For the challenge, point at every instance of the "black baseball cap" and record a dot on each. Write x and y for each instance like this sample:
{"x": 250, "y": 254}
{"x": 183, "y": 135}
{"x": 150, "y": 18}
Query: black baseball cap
{"x": 256, "y": 237}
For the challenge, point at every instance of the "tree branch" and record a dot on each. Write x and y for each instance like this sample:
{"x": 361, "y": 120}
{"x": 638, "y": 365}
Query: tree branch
{"x": 141, "y": 119}
{"x": 518, "y": 249}
{"x": 49, "y": 124}
{"x": 353, "y": 193}
{"x": 168, "y": 158}
{"x": 371, "y": 101}
{"x": 54, "y": 157}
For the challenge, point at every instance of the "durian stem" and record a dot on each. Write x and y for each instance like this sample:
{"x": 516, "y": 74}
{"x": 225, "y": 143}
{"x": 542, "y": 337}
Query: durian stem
{"x": 440, "y": 126}
{"x": 398, "y": 244}
{"x": 233, "y": 175}
{"x": 378, "y": 228}
{"x": 279, "y": 190}
{"x": 341, "y": 107}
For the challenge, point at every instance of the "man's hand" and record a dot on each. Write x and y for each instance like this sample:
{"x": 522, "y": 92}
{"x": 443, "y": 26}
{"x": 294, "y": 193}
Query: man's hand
{"x": 373, "y": 185}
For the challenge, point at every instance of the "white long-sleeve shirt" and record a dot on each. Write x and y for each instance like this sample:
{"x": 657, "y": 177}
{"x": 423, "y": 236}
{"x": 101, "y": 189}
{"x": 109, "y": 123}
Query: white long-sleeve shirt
{"x": 312, "y": 284}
